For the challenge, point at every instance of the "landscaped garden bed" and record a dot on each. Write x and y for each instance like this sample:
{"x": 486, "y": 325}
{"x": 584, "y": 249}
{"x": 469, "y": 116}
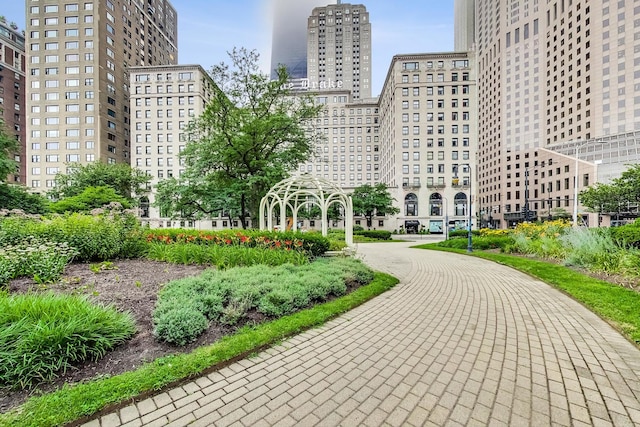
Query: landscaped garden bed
{"x": 208, "y": 292}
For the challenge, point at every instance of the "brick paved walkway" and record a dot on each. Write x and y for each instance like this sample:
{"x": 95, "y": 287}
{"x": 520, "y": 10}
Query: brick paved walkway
{"x": 459, "y": 342}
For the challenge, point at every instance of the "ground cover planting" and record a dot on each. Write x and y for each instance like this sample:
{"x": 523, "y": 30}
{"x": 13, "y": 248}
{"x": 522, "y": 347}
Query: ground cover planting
{"x": 182, "y": 291}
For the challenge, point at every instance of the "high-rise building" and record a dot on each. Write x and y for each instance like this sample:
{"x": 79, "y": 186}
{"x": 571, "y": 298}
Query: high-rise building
{"x": 163, "y": 100}
{"x": 339, "y": 49}
{"x": 427, "y": 139}
{"x": 464, "y": 28}
{"x": 78, "y": 79}
{"x": 289, "y": 35}
{"x": 556, "y": 80}
{"x": 12, "y": 91}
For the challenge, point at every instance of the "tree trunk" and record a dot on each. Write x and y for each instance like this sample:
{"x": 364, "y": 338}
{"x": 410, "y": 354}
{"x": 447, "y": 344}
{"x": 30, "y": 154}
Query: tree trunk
{"x": 243, "y": 211}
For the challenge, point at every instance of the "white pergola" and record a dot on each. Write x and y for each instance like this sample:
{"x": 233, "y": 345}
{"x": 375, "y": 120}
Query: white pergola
{"x": 305, "y": 191}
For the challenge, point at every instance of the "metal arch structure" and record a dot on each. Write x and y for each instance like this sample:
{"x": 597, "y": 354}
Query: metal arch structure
{"x": 297, "y": 192}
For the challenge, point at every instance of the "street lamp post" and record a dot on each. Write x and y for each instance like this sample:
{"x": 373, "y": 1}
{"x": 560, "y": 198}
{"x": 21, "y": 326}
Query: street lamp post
{"x": 576, "y": 185}
{"x": 446, "y": 218}
{"x": 526, "y": 195}
{"x": 469, "y": 241}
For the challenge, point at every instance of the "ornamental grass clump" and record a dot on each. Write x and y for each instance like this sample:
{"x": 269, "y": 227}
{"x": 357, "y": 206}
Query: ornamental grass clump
{"x": 227, "y": 296}
{"x": 44, "y": 334}
{"x": 594, "y": 249}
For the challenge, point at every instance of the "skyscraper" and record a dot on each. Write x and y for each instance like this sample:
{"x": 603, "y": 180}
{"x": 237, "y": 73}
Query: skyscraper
{"x": 464, "y": 25}
{"x": 289, "y": 36}
{"x": 12, "y": 91}
{"x": 553, "y": 77}
{"x": 339, "y": 49}
{"x": 79, "y": 54}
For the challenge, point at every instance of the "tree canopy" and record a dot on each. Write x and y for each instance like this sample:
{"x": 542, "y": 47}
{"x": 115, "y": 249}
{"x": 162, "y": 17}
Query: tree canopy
{"x": 369, "y": 201}
{"x": 127, "y": 182}
{"x": 621, "y": 195}
{"x": 253, "y": 132}
{"x": 90, "y": 198}
{"x": 8, "y": 148}
{"x": 17, "y": 197}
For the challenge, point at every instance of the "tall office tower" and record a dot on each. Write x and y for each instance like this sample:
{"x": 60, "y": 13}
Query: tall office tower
{"x": 339, "y": 49}
{"x": 464, "y": 25}
{"x": 163, "y": 100}
{"x": 427, "y": 139}
{"x": 289, "y": 35}
{"x": 79, "y": 54}
{"x": 554, "y": 78}
{"x": 12, "y": 91}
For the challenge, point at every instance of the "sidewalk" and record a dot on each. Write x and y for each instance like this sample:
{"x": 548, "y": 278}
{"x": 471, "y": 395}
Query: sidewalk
{"x": 459, "y": 341}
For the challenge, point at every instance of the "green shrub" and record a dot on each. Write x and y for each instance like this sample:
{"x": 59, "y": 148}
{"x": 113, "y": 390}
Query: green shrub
{"x": 226, "y": 296}
{"x": 97, "y": 237}
{"x": 44, "y": 334}
{"x": 222, "y": 257}
{"x": 463, "y": 233}
{"x": 374, "y": 234}
{"x": 479, "y": 242}
{"x": 42, "y": 260}
{"x": 181, "y": 325}
{"x": 627, "y": 236}
{"x": 90, "y": 198}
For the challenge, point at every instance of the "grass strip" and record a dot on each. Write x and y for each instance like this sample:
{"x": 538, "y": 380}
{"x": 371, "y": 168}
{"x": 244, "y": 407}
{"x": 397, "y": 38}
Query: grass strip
{"x": 72, "y": 402}
{"x": 615, "y": 304}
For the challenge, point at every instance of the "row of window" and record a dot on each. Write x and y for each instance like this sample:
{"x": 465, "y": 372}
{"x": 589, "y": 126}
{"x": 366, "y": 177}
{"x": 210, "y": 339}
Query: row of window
{"x": 430, "y": 169}
{"x": 71, "y": 145}
{"x": 185, "y": 75}
{"x": 169, "y": 89}
{"x": 430, "y": 129}
{"x": 439, "y": 90}
{"x": 160, "y": 114}
{"x": 440, "y": 103}
{"x": 456, "y": 63}
{"x": 441, "y": 154}
{"x": 455, "y": 115}
{"x": 440, "y": 77}
{"x": 160, "y": 101}
{"x": 160, "y": 162}
{"x": 160, "y": 149}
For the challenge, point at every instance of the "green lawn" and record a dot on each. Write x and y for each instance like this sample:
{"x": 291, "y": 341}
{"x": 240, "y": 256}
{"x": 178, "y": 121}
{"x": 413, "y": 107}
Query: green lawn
{"x": 617, "y": 305}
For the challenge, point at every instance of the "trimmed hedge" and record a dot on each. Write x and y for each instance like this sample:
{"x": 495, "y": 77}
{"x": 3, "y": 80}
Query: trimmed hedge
{"x": 373, "y": 234}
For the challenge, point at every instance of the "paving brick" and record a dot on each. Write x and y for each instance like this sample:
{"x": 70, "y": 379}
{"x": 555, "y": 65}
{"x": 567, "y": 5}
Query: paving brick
{"x": 483, "y": 345}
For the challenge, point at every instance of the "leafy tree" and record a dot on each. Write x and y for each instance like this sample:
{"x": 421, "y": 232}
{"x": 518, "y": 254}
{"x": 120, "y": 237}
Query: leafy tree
{"x": 615, "y": 197}
{"x": 17, "y": 197}
{"x": 8, "y": 147}
{"x": 127, "y": 182}
{"x": 373, "y": 200}
{"x": 601, "y": 198}
{"x": 629, "y": 185}
{"x": 251, "y": 135}
{"x": 90, "y": 198}
{"x": 197, "y": 198}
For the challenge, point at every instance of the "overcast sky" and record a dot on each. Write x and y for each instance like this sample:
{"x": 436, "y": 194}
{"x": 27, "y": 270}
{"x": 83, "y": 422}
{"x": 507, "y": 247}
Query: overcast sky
{"x": 208, "y": 29}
